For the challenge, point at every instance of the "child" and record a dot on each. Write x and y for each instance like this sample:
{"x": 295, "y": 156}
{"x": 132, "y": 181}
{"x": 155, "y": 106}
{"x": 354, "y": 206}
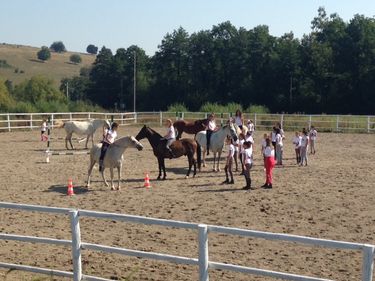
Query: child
{"x": 313, "y": 135}
{"x": 170, "y": 137}
{"x": 273, "y": 138}
{"x": 229, "y": 163}
{"x": 297, "y": 146}
{"x": 251, "y": 126}
{"x": 279, "y": 147}
{"x": 43, "y": 130}
{"x": 248, "y": 162}
{"x": 241, "y": 150}
{"x": 263, "y": 147}
{"x": 270, "y": 163}
{"x": 304, "y": 147}
{"x": 109, "y": 136}
{"x": 238, "y": 119}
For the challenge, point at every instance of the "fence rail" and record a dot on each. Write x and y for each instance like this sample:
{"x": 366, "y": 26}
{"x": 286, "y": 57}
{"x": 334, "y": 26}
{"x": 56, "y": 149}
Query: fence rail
{"x": 329, "y": 123}
{"x": 203, "y": 257}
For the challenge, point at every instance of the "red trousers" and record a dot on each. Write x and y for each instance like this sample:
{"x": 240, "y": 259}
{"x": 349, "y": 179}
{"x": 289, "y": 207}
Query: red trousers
{"x": 270, "y": 163}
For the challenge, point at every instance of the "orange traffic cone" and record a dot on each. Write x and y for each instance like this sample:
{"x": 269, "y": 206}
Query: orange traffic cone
{"x": 147, "y": 181}
{"x": 70, "y": 188}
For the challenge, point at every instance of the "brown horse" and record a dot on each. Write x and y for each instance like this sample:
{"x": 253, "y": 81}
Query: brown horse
{"x": 187, "y": 147}
{"x": 190, "y": 127}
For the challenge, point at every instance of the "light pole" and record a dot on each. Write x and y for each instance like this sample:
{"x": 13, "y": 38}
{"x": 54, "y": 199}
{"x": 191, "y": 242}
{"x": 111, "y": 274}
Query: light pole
{"x": 135, "y": 80}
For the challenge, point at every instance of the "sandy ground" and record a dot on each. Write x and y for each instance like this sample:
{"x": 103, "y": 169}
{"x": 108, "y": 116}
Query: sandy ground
{"x": 332, "y": 198}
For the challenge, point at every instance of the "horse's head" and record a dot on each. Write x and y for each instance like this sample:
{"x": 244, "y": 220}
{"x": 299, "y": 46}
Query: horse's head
{"x": 143, "y": 133}
{"x": 135, "y": 143}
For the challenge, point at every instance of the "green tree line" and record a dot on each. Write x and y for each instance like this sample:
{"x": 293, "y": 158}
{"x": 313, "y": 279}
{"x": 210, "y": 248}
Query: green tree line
{"x": 329, "y": 70}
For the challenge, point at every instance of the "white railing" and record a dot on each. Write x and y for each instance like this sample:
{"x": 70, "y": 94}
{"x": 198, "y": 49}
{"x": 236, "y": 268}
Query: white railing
{"x": 203, "y": 258}
{"x": 332, "y": 123}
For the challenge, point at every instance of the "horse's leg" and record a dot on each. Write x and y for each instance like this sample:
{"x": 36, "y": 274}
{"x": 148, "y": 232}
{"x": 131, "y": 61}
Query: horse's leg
{"x": 92, "y": 163}
{"x": 119, "y": 168}
{"x": 159, "y": 163}
{"x": 111, "y": 172}
{"x": 214, "y": 166}
{"x": 67, "y": 138}
{"x": 87, "y": 140}
{"x": 163, "y": 166}
{"x": 70, "y": 140}
{"x": 105, "y": 181}
{"x": 189, "y": 156}
{"x": 195, "y": 166}
{"x": 204, "y": 156}
{"x": 218, "y": 160}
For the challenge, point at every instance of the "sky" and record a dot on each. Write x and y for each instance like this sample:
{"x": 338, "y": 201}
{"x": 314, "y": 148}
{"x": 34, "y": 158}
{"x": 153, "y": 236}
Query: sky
{"x": 122, "y": 23}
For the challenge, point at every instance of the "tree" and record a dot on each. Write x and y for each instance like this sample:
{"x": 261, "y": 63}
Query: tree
{"x": 38, "y": 89}
{"x": 75, "y": 58}
{"x": 44, "y": 54}
{"x": 6, "y": 100}
{"x": 91, "y": 49}
{"x": 58, "y": 47}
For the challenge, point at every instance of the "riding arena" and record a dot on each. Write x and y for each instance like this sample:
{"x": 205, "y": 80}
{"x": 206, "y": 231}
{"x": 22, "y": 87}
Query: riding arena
{"x": 259, "y": 230}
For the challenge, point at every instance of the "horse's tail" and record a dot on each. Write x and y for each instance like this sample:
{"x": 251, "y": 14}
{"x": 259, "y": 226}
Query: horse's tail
{"x": 59, "y": 123}
{"x": 199, "y": 156}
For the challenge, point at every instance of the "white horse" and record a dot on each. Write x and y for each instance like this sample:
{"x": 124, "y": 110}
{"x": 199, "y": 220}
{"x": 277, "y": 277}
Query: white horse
{"x": 87, "y": 128}
{"x": 113, "y": 157}
{"x": 216, "y": 142}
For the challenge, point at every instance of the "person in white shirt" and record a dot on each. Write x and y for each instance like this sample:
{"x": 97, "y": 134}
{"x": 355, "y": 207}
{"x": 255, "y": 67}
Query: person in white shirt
{"x": 109, "y": 136}
{"x": 270, "y": 163}
{"x": 241, "y": 150}
{"x": 238, "y": 119}
{"x": 43, "y": 130}
{"x": 313, "y": 134}
{"x": 279, "y": 147}
{"x": 170, "y": 136}
{"x": 229, "y": 163}
{"x": 297, "y": 146}
{"x": 273, "y": 138}
{"x": 210, "y": 129}
{"x": 251, "y": 126}
{"x": 248, "y": 162}
{"x": 304, "y": 147}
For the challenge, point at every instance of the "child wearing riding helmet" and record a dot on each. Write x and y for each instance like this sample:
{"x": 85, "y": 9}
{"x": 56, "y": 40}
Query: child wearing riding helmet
{"x": 109, "y": 136}
{"x": 229, "y": 163}
{"x": 170, "y": 136}
{"x": 210, "y": 129}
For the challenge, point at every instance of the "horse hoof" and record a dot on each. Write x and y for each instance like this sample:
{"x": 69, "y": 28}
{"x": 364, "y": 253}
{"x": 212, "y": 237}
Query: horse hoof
{"x": 118, "y": 188}
{"x": 186, "y": 177}
{"x": 204, "y": 165}
{"x": 113, "y": 188}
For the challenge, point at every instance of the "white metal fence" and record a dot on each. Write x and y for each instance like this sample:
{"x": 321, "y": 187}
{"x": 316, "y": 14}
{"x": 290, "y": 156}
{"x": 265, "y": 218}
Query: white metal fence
{"x": 329, "y": 123}
{"x": 203, "y": 256}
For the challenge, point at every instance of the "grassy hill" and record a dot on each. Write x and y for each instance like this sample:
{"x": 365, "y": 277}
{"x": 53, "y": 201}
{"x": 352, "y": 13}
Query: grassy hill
{"x": 22, "y": 63}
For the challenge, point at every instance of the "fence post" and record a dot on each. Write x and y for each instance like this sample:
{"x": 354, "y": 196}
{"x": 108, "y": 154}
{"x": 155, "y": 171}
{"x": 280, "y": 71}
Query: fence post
{"x": 135, "y": 118}
{"x": 182, "y": 115}
{"x": 368, "y": 124}
{"x": 203, "y": 252}
{"x": 337, "y": 123}
{"x": 70, "y": 116}
{"x": 31, "y": 121}
{"x": 76, "y": 245}
{"x": 368, "y": 262}
{"x": 8, "y": 122}
{"x": 282, "y": 120}
{"x": 255, "y": 120}
{"x": 161, "y": 118}
{"x": 309, "y": 121}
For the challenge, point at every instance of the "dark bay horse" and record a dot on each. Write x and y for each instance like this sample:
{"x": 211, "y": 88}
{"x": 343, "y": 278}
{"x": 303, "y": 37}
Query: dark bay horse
{"x": 189, "y": 127}
{"x": 187, "y": 147}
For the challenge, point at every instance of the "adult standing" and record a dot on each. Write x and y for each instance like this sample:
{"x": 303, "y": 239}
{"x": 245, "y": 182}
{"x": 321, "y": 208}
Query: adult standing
{"x": 238, "y": 119}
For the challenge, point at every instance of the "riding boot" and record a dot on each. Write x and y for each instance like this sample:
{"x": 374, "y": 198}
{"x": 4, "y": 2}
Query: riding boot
{"x": 248, "y": 184}
{"x": 208, "y": 149}
{"x": 171, "y": 154}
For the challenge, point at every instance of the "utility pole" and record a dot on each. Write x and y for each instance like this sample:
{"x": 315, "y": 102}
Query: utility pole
{"x": 135, "y": 80}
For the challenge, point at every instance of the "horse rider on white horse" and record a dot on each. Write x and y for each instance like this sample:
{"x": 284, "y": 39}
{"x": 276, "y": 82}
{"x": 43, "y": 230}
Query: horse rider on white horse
{"x": 109, "y": 136}
{"x": 211, "y": 127}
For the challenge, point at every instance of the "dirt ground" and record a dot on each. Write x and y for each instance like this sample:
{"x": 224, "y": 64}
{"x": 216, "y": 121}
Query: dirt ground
{"x": 331, "y": 198}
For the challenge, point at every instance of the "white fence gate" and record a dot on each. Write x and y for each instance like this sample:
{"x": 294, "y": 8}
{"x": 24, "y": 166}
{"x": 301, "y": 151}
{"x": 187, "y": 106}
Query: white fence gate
{"x": 203, "y": 257}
